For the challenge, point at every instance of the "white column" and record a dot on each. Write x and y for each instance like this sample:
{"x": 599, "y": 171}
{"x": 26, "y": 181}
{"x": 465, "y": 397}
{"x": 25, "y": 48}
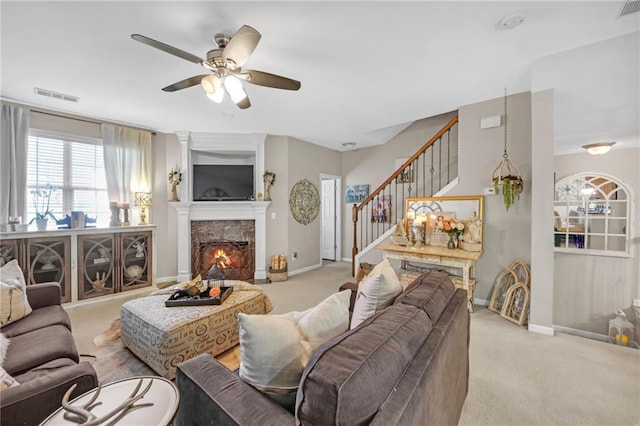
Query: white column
{"x": 184, "y": 138}
{"x": 261, "y": 242}
{"x": 183, "y": 234}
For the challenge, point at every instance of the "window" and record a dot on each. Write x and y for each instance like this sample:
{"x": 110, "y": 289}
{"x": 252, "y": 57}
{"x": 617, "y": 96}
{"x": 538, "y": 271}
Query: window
{"x": 592, "y": 215}
{"x": 75, "y": 167}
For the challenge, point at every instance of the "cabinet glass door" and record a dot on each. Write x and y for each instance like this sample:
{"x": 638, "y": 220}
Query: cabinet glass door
{"x": 96, "y": 266}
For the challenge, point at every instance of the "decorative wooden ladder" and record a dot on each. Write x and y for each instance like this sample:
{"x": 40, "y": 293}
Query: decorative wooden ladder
{"x": 429, "y": 170}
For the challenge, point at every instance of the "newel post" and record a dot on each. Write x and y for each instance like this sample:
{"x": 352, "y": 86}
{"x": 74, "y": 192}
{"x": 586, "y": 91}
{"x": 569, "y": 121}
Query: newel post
{"x": 354, "y": 250}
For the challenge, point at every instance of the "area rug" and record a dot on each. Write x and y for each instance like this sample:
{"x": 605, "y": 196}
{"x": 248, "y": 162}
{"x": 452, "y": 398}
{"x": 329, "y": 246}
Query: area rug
{"x": 113, "y": 361}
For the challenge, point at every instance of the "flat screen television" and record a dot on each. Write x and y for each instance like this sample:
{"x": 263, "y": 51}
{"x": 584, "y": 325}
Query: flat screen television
{"x": 223, "y": 182}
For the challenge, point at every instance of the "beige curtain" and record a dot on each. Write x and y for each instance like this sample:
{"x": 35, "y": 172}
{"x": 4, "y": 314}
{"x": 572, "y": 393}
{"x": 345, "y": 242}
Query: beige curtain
{"x": 14, "y": 138}
{"x": 127, "y": 161}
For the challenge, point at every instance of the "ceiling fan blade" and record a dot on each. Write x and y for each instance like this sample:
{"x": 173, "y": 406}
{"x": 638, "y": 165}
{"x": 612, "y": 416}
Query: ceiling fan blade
{"x": 188, "y": 82}
{"x": 166, "y": 48}
{"x": 262, "y": 78}
{"x": 241, "y": 45}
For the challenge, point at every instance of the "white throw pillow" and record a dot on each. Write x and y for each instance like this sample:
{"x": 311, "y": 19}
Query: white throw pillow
{"x": 275, "y": 348}
{"x": 376, "y": 291}
{"x": 13, "y": 294}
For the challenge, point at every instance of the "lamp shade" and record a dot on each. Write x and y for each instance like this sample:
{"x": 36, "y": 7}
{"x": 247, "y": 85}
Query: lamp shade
{"x": 212, "y": 85}
{"x": 599, "y": 148}
{"x": 142, "y": 199}
{"x": 234, "y": 87}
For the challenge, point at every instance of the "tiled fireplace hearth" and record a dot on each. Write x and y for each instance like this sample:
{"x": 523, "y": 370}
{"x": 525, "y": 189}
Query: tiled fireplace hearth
{"x": 237, "y": 227}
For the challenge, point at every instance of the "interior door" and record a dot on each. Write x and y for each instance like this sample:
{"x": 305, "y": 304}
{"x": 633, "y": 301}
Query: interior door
{"x": 329, "y": 219}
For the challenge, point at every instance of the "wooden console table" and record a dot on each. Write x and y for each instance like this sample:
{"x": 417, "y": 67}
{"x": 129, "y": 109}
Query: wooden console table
{"x": 433, "y": 255}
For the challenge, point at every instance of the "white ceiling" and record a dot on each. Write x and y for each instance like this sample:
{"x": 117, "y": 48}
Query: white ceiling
{"x": 367, "y": 68}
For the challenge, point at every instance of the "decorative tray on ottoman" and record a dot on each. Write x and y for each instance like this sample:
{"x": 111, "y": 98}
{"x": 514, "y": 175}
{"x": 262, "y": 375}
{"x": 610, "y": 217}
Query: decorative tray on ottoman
{"x": 177, "y": 299}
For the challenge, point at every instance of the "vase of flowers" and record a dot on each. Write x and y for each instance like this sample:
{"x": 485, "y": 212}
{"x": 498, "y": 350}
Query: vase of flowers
{"x": 452, "y": 228}
{"x": 42, "y": 203}
{"x": 269, "y": 178}
{"x": 175, "y": 177}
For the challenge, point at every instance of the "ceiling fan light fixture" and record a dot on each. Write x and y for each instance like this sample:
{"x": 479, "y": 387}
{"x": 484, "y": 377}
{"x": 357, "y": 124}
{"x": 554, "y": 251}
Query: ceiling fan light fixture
{"x": 234, "y": 87}
{"x": 211, "y": 84}
{"x": 217, "y": 96}
{"x": 599, "y": 148}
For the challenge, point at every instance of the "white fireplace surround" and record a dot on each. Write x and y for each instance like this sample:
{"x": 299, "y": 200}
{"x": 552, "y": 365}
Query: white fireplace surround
{"x": 221, "y": 210}
{"x": 187, "y": 211}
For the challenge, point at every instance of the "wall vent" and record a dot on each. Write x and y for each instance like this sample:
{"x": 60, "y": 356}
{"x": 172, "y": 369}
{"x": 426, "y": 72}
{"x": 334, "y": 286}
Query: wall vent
{"x": 55, "y": 95}
{"x": 629, "y": 7}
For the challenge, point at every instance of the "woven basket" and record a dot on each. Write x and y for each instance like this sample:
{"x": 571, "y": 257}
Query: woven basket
{"x": 277, "y": 275}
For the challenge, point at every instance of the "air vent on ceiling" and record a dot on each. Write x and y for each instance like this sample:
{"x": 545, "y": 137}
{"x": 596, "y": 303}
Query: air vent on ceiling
{"x": 55, "y": 95}
{"x": 629, "y": 7}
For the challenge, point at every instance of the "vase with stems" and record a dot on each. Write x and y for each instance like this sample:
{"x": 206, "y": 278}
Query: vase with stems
{"x": 41, "y": 223}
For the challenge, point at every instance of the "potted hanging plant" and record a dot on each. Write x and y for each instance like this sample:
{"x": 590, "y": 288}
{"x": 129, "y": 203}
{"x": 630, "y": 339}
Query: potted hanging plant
{"x": 506, "y": 178}
{"x": 511, "y": 187}
{"x": 175, "y": 177}
{"x": 42, "y": 204}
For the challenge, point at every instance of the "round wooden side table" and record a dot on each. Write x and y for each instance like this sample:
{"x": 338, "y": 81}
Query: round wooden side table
{"x": 163, "y": 395}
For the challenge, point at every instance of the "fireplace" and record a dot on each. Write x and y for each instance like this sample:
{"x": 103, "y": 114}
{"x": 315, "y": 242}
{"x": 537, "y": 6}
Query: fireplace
{"x": 232, "y": 242}
{"x": 234, "y": 257}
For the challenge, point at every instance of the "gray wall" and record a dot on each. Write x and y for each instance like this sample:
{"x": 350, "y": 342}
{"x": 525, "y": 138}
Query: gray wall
{"x": 589, "y": 289}
{"x": 293, "y": 160}
{"x": 506, "y": 234}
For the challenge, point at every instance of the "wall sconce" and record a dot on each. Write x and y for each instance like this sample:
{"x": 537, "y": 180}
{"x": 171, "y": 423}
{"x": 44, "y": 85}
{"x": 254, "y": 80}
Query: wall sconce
{"x": 142, "y": 200}
{"x": 599, "y": 148}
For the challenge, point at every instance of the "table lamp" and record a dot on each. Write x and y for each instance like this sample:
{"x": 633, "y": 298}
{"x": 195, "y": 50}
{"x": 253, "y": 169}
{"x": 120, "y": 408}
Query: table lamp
{"x": 142, "y": 200}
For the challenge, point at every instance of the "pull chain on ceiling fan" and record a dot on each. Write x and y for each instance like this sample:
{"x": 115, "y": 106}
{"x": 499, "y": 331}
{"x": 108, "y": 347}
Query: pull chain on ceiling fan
{"x": 225, "y": 63}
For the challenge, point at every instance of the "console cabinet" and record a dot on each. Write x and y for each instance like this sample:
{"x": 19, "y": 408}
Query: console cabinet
{"x": 42, "y": 259}
{"x": 88, "y": 263}
{"x": 112, "y": 263}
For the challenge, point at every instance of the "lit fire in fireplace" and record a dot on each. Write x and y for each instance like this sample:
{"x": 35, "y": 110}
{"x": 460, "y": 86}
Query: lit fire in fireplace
{"x": 221, "y": 257}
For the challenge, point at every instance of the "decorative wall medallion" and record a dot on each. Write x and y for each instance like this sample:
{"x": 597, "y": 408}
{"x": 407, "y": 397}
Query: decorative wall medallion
{"x": 304, "y": 202}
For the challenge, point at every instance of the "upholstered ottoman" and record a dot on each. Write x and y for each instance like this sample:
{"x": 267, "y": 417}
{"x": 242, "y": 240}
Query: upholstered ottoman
{"x": 164, "y": 337}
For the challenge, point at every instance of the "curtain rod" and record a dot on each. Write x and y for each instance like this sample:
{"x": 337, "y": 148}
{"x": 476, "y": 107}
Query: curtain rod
{"x": 54, "y": 113}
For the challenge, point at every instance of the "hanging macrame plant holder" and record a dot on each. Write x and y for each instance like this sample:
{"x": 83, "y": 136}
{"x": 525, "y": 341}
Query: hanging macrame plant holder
{"x": 506, "y": 178}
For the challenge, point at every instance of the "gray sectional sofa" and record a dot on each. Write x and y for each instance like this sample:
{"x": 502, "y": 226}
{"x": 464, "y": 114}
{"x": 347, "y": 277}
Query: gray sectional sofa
{"x": 407, "y": 365}
{"x": 43, "y": 358}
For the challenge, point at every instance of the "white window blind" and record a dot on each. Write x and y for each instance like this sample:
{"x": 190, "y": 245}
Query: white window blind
{"x": 75, "y": 167}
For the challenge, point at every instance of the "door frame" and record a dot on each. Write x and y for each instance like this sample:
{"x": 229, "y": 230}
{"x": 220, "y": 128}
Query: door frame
{"x": 338, "y": 214}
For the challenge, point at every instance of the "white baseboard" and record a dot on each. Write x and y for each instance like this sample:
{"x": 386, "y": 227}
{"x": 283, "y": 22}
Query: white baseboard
{"x": 480, "y": 302}
{"x": 305, "y": 269}
{"x": 540, "y": 329}
{"x": 110, "y": 297}
{"x": 166, "y": 279}
{"x": 581, "y": 333}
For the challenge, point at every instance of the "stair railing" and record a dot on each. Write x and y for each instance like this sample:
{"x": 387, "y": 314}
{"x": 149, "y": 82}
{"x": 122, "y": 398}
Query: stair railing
{"x": 426, "y": 172}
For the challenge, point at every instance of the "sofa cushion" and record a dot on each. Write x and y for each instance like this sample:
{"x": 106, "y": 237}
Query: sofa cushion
{"x": 376, "y": 291}
{"x": 430, "y": 291}
{"x": 13, "y": 294}
{"x": 35, "y": 348}
{"x": 39, "y": 318}
{"x": 348, "y": 378}
{"x": 44, "y": 369}
{"x": 275, "y": 348}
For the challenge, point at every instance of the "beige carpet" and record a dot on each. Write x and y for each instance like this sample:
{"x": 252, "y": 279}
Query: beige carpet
{"x": 516, "y": 378}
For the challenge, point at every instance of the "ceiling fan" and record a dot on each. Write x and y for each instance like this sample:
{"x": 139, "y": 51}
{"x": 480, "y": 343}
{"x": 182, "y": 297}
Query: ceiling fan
{"x": 225, "y": 63}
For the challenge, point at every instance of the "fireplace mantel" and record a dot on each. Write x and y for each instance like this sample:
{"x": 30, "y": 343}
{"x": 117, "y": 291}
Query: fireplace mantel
{"x": 220, "y": 210}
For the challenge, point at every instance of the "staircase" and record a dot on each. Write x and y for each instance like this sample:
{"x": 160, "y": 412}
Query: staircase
{"x": 429, "y": 170}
